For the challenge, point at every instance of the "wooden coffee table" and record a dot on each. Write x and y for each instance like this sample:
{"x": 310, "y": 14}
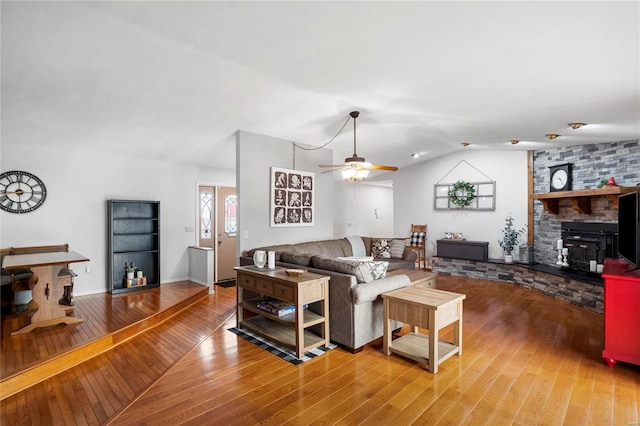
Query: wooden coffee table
{"x": 429, "y": 309}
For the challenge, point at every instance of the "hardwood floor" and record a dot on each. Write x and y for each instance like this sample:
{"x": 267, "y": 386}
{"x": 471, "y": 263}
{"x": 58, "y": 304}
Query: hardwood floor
{"x": 527, "y": 359}
{"x": 108, "y": 321}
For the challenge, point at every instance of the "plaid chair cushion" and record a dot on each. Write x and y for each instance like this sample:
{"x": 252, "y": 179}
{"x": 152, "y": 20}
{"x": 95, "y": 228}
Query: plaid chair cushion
{"x": 417, "y": 238}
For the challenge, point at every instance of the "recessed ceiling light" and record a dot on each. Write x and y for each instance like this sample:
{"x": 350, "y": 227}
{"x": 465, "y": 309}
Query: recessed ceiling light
{"x": 576, "y": 125}
{"x": 464, "y": 143}
{"x": 514, "y": 141}
{"x": 552, "y": 136}
{"x": 415, "y": 155}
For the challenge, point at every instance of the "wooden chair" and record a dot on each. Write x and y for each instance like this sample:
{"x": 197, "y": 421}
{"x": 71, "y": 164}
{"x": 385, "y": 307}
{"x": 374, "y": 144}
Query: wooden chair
{"x": 421, "y": 247}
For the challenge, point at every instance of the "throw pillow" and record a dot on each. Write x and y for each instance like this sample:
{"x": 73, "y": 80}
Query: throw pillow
{"x": 378, "y": 269}
{"x": 417, "y": 238}
{"x": 397, "y": 248}
{"x": 381, "y": 247}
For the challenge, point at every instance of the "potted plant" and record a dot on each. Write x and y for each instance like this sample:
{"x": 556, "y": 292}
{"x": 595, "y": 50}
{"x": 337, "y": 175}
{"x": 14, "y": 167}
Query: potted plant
{"x": 510, "y": 237}
{"x": 131, "y": 269}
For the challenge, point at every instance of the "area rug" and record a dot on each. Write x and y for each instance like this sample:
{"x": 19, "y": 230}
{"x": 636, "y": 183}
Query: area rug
{"x": 284, "y": 353}
{"x": 227, "y": 284}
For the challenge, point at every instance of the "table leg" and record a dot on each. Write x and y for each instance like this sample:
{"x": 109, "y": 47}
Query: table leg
{"x": 239, "y": 300}
{"x": 325, "y": 314}
{"x": 457, "y": 330}
{"x": 433, "y": 342}
{"x": 299, "y": 329}
{"x": 46, "y": 293}
{"x": 386, "y": 339}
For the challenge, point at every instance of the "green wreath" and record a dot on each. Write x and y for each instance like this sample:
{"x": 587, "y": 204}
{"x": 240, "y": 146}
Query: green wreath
{"x": 462, "y": 193}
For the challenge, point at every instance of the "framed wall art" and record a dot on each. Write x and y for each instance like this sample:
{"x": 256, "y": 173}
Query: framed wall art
{"x": 292, "y": 199}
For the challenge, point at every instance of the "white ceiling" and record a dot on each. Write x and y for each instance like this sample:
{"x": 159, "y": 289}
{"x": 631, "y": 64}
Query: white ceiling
{"x": 176, "y": 80}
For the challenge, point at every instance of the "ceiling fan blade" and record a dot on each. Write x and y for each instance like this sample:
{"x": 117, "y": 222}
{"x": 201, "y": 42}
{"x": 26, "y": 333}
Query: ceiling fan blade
{"x": 335, "y": 170}
{"x": 379, "y": 167}
{"x": 331, "y": 165}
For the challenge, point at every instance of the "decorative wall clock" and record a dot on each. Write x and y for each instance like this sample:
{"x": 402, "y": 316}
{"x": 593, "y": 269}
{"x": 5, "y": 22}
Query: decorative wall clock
{"x": 560, "y": 178}
{"x": 21, "y": 192}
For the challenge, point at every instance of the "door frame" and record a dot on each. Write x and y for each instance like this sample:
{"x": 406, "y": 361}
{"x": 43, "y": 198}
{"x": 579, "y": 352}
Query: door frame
{"x": 196, "y": 239}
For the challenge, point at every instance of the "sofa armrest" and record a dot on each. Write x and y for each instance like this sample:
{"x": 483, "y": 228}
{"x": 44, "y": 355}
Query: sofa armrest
{"x": 368, "y": 292}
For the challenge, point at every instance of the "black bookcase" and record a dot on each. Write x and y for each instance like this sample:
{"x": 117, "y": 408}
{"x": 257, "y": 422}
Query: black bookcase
{"x": 134, "y": 237}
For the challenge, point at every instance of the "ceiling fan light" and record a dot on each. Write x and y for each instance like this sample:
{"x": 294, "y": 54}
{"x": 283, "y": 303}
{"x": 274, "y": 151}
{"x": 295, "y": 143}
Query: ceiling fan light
{"x": 575, "y": 126}
{"x": 353, "y": 174}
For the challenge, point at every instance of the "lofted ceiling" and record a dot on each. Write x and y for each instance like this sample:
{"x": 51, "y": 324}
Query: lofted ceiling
{"x": 174, "y": 80}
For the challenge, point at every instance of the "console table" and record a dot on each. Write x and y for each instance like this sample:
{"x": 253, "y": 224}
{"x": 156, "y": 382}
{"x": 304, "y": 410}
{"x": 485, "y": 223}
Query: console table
{"x": 254, "y": 284}
{"x": 47, "y": 290}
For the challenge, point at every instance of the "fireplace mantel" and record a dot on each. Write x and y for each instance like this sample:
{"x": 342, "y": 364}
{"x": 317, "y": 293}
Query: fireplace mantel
{"x": 581, "y": 199}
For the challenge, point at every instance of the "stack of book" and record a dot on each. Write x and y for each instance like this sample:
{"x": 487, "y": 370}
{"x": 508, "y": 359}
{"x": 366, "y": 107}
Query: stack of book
{"x": 277, "y": 307}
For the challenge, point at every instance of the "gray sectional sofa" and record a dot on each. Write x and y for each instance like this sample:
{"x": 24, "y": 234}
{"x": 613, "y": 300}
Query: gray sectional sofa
{"x": 356, "y": 308}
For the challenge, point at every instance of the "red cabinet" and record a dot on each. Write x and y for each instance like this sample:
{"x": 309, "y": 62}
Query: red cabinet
{"x": 621, "y": 312}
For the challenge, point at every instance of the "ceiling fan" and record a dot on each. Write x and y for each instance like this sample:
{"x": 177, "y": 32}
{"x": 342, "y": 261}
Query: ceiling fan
{"x": 356, "y": 168}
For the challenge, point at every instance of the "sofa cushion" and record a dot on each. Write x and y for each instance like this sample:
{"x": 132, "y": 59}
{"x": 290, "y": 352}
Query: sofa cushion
{"x": 278, "y": 249}
{"x": 325, "y": 248}
{"x": 381, "y": 247}
{"x": 297, "y": 258}
{"x": 397, "y": 248}
{"x": 353, "y": 267}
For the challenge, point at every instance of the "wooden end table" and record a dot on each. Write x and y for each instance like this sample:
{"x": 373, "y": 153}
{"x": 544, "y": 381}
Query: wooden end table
{"x": 429, "y": 309}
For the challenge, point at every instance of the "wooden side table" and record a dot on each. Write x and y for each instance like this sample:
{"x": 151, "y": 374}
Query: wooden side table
{"x": 429, "y": 309}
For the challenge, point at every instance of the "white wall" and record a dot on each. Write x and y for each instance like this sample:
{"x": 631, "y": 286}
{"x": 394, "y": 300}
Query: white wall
{"x": 255, "y": 155}
{"x": 78, "y": 185}
{"x": 362, "y": 208}
{"x": 414, "y": 192}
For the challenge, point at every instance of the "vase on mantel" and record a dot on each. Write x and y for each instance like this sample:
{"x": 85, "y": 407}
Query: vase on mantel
{"x": 130, "y": 275}
{"x": 508, "y": 258}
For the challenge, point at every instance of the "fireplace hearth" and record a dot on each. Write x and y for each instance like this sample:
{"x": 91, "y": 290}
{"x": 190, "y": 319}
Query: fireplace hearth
{"x": 589, "y": 241}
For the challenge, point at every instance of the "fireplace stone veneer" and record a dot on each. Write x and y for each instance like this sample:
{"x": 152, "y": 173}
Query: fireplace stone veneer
{"x": 582, "y": 291}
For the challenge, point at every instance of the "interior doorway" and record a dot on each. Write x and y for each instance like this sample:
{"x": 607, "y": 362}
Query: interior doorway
{"x": 217, "y": 227}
